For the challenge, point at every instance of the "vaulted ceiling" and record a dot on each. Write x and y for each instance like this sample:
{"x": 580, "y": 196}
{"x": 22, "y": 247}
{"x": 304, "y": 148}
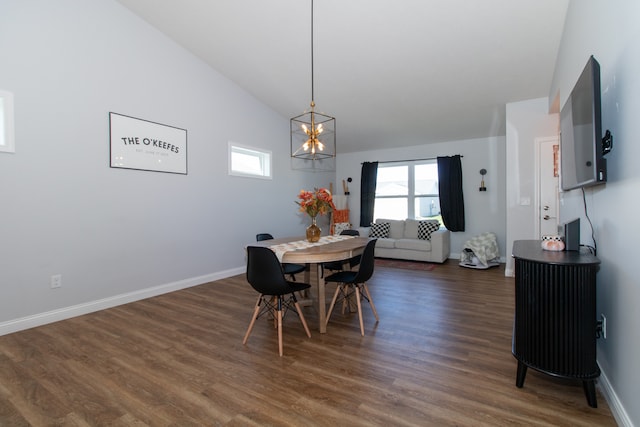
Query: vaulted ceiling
{"x": 392, "y": 72}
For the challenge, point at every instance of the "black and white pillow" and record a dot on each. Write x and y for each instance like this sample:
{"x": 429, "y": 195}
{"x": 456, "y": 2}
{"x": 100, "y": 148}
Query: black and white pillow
{"x": 379, "y": 230}
{"x": 425, "y": 228}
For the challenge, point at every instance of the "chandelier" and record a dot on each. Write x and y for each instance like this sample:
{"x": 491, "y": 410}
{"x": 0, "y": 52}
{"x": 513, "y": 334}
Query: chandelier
{"x": 313, "y": 134}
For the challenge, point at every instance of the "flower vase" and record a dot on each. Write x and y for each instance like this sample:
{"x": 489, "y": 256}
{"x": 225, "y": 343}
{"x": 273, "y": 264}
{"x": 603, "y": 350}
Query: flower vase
{"x": 313, "y": 231}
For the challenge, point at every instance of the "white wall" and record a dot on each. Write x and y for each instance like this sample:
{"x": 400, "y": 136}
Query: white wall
{"x": 117, "y": 235}
{"x": 526, "y": 121}
{"x": 484, "y": 211}
{"x": 610, "y": 31}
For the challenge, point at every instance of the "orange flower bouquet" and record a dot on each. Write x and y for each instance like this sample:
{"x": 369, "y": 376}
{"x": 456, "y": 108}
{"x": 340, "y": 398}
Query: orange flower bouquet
{"x": 318, "y": 201}
{"x": 315, "y": 202}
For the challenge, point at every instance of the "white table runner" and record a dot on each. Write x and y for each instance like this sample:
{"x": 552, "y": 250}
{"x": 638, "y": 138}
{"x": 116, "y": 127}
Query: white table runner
{"x": 281, "y": 248}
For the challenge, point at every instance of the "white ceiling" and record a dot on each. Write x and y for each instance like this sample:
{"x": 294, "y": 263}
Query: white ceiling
{"x": 392, "y": 72}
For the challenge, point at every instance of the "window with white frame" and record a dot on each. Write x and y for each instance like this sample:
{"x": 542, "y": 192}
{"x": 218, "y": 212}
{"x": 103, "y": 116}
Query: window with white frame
{"x": 7, "y": 139}
{"x": 249, "y": 161}
{"x": 408, "y": 190}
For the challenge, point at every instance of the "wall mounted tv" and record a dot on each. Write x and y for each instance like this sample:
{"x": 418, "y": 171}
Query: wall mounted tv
{"x": 582, "y": 146}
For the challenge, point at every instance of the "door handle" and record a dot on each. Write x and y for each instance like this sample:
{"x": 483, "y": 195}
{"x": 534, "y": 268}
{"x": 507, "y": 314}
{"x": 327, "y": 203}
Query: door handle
{"x": 546, "y": 217}
{"x": 546, "y": 208}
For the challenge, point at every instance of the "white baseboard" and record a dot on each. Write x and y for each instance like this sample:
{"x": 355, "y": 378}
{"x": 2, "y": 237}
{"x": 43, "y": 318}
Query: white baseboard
{"x": 40, "y": 319}
{"x": 618, "y": 411}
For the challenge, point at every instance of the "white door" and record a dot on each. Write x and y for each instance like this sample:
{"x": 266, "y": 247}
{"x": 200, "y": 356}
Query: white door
{"x": 548, "y": 186}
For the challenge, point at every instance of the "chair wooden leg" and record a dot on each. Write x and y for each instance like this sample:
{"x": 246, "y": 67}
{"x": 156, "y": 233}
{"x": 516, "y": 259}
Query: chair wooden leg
{"x": 253, "y": 320}
{"x": 359, "y": 310}
{"x": 365, "y": 288}
{"x": 302, "y": 319}
{"x": 346, "y": 300}
{"x": 345, "y": 303}
{"x": 333, "y": 303}
{"x": 273, "y": 314}
{"x": 279, "y": 316}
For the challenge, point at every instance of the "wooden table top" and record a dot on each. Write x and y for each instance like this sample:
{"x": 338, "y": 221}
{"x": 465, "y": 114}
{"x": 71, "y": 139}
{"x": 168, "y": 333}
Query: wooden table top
{"x": 333, "y": 251}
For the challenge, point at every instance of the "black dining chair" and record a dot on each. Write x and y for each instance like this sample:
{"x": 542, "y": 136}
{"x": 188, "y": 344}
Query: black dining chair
{"x": 263, "y": 236}
{"x": 277, "y": 294}
{"x": 354, "y": 282}
{"x": 289, "y": 269}
{"x": 339, "y": 265}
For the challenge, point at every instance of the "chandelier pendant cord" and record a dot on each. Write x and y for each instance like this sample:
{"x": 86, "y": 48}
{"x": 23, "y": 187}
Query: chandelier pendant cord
{"x": 312, "y": 84}
{"x": 306, "y": 129}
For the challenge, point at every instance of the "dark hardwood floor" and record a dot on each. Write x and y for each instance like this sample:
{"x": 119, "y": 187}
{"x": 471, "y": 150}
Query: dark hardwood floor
{"x": 440, "y": 355}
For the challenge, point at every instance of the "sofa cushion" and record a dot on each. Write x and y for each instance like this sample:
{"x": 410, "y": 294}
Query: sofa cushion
{"x": 413, "y": 244}
{"x": 425, "y": 228}
{"x": 386, "y": 243}
{"x": 396, "y": 227}
{"x": 379, "y": 230}
{"x": 410, "y": 229}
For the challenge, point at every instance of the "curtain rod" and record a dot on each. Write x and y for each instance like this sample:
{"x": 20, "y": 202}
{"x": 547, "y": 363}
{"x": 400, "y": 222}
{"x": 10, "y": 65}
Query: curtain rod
{"x": 411, "y": 160}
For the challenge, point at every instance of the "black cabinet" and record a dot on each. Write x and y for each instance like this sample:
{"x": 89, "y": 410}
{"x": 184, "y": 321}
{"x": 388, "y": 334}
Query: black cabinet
{"x": 555, "y": 320}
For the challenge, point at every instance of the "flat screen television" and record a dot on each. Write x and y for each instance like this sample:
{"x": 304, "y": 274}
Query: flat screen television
{"x": 582, "y": 146}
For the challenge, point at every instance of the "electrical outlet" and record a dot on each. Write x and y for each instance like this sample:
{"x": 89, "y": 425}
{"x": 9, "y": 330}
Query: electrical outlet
{"x": 603, "y": 321}
{"x": 56, "y": 281}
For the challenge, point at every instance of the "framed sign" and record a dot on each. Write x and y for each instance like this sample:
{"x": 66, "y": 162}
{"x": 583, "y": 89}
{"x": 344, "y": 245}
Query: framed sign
{"x": 144, "y": 145}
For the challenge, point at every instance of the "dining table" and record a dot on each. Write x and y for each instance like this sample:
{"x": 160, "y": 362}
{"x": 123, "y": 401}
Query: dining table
{"x": 297, "y": 250}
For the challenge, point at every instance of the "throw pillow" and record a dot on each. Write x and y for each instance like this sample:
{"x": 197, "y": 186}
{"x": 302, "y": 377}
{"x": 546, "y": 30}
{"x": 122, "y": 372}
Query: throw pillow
{"x": 339, "y": 227}
{"x": 425, "y": 228}
{"x": 379, "y": 230}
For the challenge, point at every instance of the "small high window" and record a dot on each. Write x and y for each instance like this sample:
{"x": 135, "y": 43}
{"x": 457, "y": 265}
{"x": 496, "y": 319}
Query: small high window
{"x": 7, "y": 143}
{"x": 249, "y": 161}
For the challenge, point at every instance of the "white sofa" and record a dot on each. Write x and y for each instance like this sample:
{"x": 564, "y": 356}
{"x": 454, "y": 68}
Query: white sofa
{"x": 403, "y": 242}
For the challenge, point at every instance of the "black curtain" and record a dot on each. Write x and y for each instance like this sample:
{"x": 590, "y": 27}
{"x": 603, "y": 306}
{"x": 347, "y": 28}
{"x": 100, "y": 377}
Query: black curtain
{"x": 368, "y": 192}
{"x": 450, "y": 188}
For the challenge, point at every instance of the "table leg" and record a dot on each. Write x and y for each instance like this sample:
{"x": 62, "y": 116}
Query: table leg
{"x": 305, "y": 297}
{"x": 322, "y": 303}
{"x": 307, "y": 273}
